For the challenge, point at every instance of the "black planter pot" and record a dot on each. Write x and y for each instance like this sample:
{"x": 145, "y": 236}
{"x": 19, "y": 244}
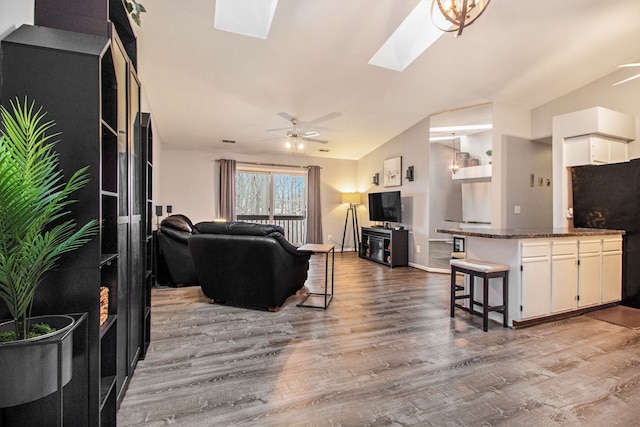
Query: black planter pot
{"x": 29, "y": 368}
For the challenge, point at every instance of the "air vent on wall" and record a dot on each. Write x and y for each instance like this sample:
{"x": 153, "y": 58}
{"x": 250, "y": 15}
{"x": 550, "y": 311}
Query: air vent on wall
{"x": 228, "y": 141}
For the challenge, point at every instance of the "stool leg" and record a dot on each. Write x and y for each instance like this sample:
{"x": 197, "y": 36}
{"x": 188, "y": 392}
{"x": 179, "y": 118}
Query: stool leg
{"x": 485, "y": 303}
{"x": 505, "y": 299}
{"x": 472, "y": 281}
{"x": 453, "y": 290}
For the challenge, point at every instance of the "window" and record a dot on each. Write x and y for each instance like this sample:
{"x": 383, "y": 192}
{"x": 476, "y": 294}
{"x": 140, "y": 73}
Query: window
{"x": 273, "y": 196}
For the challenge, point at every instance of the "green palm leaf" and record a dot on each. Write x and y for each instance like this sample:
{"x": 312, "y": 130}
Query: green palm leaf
{"x": 34, "y": 226}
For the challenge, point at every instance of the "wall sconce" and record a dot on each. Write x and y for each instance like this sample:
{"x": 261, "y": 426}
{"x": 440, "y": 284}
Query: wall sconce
{"x": 169, "y": 209}
{"x": 376, "y": 179}
{"x": 409, "y": 175}
{"x": 158, "y": 215}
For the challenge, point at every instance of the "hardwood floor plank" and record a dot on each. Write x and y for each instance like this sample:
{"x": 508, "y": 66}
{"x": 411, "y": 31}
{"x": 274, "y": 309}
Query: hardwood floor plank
{"x": 385, "y": 352}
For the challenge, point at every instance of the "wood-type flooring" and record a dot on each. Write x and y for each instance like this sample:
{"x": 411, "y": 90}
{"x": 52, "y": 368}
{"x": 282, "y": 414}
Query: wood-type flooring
{"x": 385, "y": 353}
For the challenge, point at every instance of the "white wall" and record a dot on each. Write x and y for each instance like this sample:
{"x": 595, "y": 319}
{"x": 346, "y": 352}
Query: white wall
{"x": 14, "y": 13}
{"x": 507, "y": 120}
{"x": 413, "y": 146}
{"x": 528, "y": 158}
{"x": 190, "y": 183}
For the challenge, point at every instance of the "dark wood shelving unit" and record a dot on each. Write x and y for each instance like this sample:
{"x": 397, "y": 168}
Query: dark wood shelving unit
{"x": 80, "y": 70}
{"x": 386, "y": 246}
{"x": 147, "y": 236}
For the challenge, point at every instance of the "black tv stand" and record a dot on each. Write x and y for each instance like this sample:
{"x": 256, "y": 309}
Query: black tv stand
{"x": 385, "y": 245}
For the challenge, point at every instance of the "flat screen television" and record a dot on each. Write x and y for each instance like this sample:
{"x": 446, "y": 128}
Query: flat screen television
{"x": 385, "y": 207}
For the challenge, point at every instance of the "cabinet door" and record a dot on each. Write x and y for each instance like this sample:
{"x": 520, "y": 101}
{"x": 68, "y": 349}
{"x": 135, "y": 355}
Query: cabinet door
{"x": 590, "y": 274}
{"x": 611, "y": 276}
{"x": 564, "y": 277}
{"x": 536, "y": 286}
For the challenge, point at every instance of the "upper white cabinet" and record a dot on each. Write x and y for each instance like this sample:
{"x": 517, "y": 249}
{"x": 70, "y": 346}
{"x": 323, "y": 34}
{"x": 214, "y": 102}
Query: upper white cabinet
{"x": 594, "y": 150}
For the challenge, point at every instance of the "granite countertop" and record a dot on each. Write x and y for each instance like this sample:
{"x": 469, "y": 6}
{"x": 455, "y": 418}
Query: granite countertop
{"x": 531, "y": 233}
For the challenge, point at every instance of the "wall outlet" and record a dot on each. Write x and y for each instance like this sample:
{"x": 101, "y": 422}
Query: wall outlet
{"x": 418, "y": 249}
{"x": 330, "y": 237}
{"x": 516, "y": 209}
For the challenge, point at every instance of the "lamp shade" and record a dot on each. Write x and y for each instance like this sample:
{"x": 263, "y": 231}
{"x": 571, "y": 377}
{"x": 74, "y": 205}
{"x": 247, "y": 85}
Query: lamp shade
{"x": 351, "y": 198}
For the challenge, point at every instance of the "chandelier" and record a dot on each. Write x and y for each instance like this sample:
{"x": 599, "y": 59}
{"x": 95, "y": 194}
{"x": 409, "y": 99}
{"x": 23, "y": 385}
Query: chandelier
{"x": 454, "y": 166}
{"x": 458, "y": 13}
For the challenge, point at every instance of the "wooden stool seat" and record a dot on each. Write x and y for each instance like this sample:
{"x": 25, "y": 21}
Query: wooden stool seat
{"x": 484, "y": 270}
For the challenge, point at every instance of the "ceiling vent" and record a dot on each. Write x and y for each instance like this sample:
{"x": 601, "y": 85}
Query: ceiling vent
{"x": 323, "y": 150}
{"x": 228, "y": 141}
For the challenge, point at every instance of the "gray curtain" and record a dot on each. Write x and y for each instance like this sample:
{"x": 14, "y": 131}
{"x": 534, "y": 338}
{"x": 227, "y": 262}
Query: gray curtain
{"x": 228, "y": 189}
{"x": 314, "y": 214}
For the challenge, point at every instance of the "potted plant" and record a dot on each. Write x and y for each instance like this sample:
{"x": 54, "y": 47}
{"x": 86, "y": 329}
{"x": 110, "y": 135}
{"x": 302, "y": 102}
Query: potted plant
{"x": 35, "y": 230}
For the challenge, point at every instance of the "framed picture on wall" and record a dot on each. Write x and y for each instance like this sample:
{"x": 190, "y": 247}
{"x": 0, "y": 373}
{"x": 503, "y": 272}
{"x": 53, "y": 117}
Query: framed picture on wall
{"x": 392, "y": 175}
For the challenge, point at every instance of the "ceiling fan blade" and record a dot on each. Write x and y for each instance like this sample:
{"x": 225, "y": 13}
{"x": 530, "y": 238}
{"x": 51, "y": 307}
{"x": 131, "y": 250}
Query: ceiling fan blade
{"x": 325, "y": 118}
{"x": 276, "y": 130}
{"x": 321, "y": 141}
{"x": 271, "y": 139}
{"x": 288, "y": 117}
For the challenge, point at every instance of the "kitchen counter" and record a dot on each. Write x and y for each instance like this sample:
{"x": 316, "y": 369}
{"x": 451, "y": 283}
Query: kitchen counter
{"x": 552, "y": 271}
{"x": 532, "y": 233}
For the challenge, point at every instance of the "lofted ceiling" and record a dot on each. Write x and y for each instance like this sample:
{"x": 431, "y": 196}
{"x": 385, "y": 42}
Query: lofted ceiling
{"x": 205, "y": 85}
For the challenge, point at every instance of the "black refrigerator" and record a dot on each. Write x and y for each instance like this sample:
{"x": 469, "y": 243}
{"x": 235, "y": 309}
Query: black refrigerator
{"x": 608, "y": 196}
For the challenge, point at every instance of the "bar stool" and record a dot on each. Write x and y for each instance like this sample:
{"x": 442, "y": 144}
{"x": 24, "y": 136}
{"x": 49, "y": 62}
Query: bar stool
{"x": 485, "y": 271}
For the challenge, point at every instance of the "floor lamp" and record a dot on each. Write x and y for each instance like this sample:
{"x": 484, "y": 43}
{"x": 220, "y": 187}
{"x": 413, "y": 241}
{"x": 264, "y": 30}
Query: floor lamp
{"x": 354, "y": 200}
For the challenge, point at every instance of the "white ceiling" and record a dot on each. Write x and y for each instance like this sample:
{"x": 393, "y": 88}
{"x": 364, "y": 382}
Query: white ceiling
{"x": 206, "y": 85}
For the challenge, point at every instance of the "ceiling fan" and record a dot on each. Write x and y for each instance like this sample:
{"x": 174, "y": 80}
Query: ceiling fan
{"x": 630, "y": 78}
{"x": 295, "y": 136}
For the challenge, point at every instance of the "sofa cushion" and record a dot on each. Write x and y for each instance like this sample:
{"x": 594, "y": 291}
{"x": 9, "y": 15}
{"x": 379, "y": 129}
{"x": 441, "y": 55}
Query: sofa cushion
{"x": 238, "y": 228}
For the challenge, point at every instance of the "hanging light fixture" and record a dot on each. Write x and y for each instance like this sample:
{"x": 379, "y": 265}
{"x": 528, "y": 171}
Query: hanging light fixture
{"x": 458, "y": 13}
{"x": 293, "y": 143}
{"x": 454, "y": 166}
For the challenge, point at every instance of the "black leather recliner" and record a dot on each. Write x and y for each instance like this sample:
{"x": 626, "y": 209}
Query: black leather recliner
{"x": 245, "y": 264}
{"x": 174, "y": 262}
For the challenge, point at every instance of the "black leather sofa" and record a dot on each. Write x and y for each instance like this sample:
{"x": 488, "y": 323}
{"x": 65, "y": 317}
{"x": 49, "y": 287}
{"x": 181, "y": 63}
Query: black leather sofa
{"x": 245, "y": 264}
{"x": 174, "y": 262}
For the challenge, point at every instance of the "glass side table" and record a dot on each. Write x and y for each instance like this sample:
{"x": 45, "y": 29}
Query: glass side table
{"x": 316, "y": 248}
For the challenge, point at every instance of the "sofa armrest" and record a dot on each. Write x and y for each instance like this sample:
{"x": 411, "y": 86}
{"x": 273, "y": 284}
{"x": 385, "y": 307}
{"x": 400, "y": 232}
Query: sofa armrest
{"x": 286, "y": 245}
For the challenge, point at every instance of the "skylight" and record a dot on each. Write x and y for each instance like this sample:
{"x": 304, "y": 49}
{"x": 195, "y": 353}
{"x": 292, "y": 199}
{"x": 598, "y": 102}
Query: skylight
{"x": 416, "y": 33}
{"x": 250, "y": 18}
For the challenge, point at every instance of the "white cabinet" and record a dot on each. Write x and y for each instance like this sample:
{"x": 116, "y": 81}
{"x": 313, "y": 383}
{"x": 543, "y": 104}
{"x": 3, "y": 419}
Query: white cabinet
{"x": 590, "y": 273}
{"x": 593, "y": 150}
{"x": 535, "y": 279}
{"x": 564, "y": 275}
{"x": 612, "y": 269}
{"x": 561, "y": 275}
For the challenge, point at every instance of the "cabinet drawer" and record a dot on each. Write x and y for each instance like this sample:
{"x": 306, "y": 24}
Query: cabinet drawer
{"x": 535, "y": 250}
{"x": 590, "y": 246}
{"x": 612, "y": 244}
{"x": 564, "y": 248}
